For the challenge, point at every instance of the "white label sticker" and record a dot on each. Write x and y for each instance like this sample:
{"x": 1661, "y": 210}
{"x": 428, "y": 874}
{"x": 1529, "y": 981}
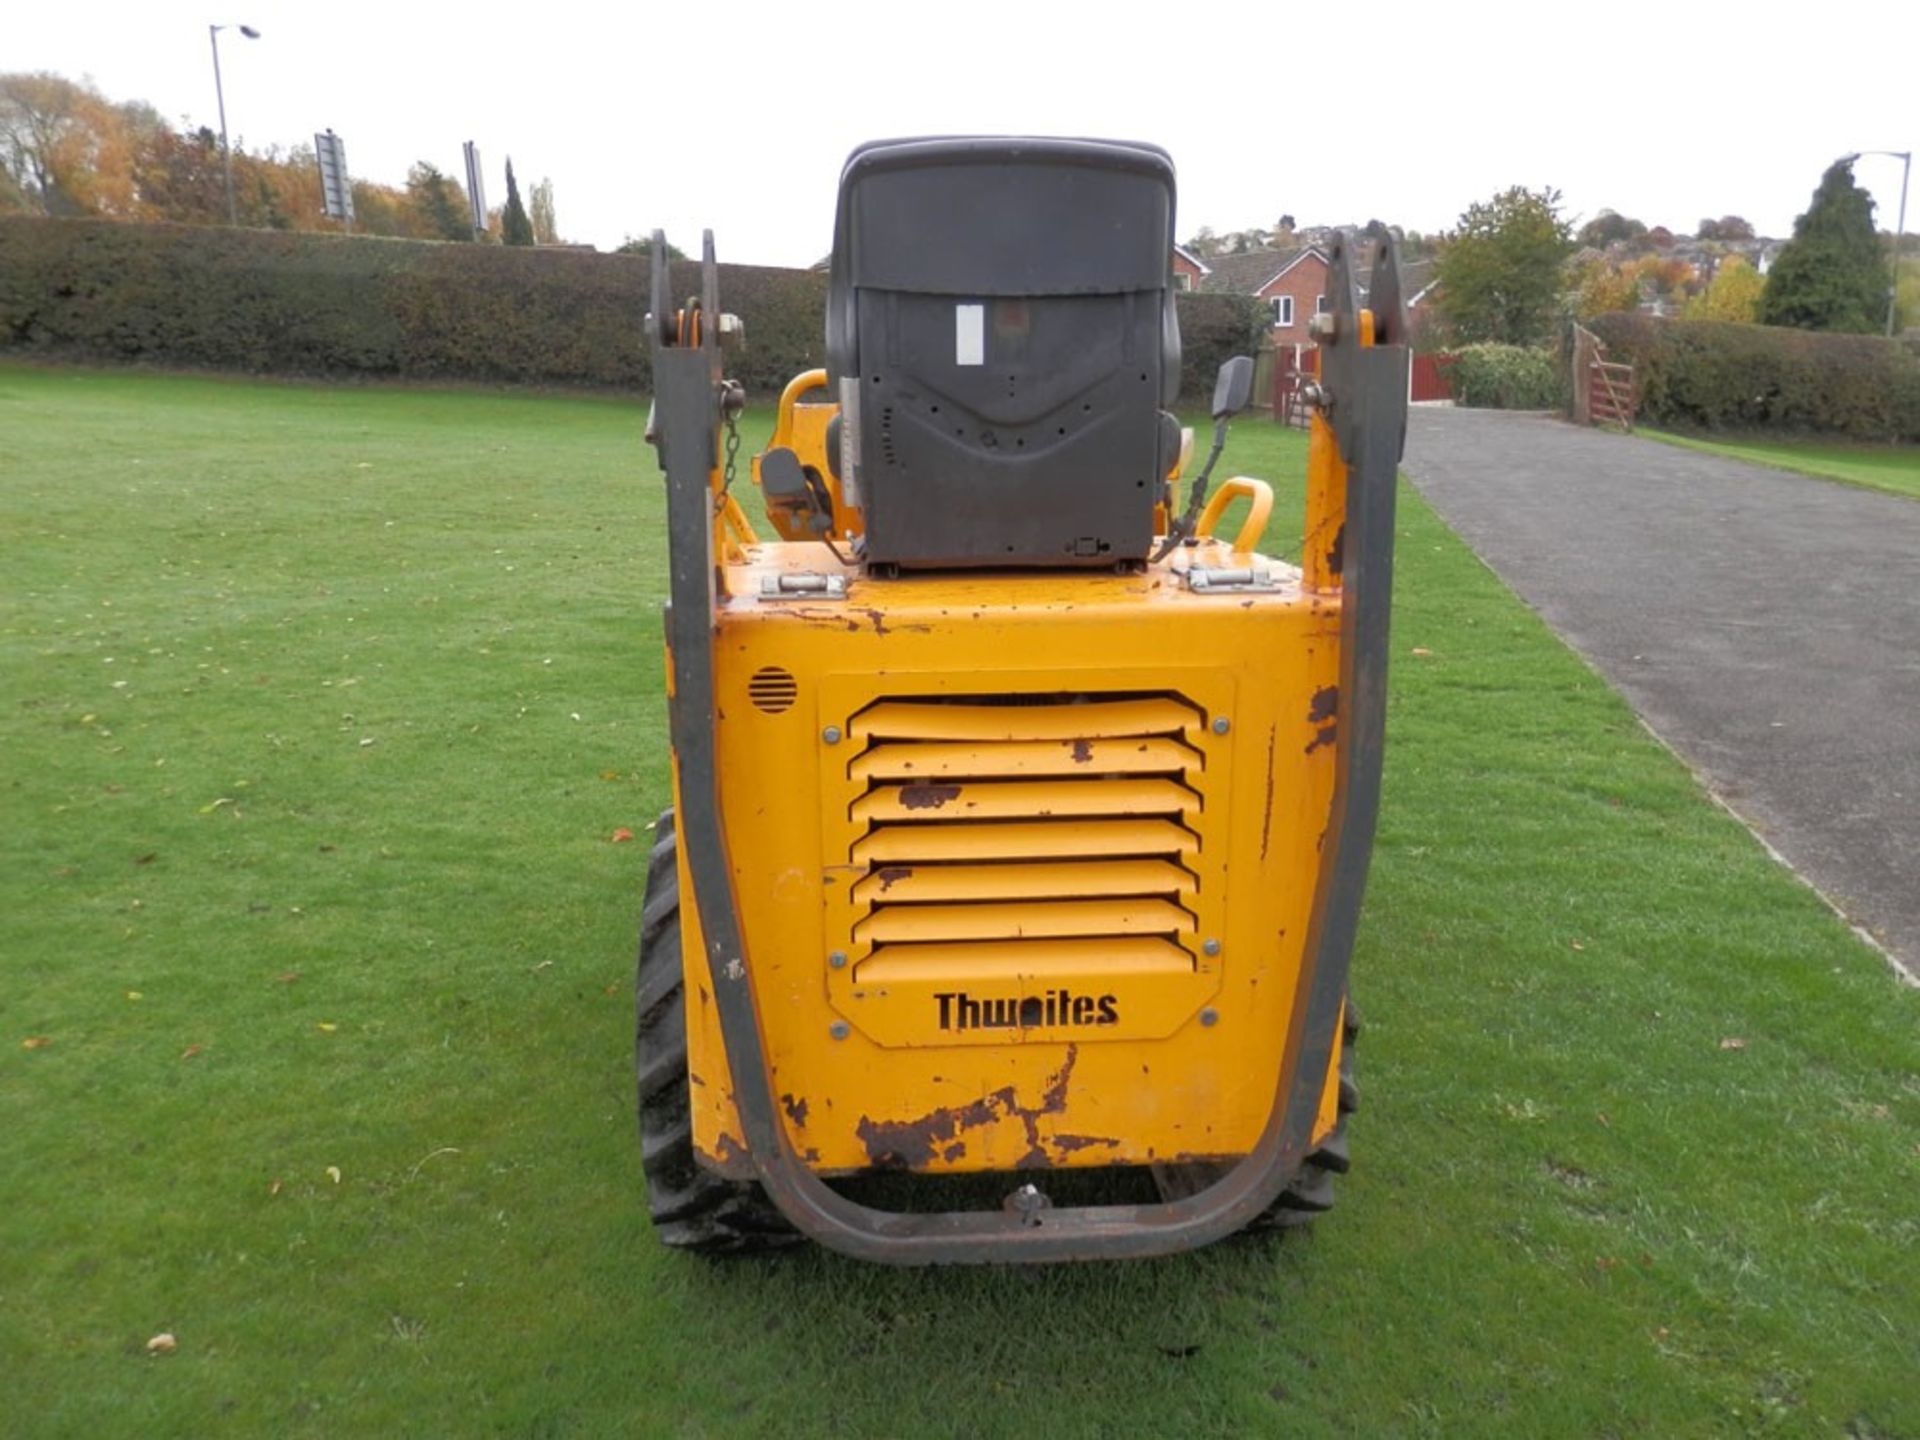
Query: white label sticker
{"x": 969, "y": 334}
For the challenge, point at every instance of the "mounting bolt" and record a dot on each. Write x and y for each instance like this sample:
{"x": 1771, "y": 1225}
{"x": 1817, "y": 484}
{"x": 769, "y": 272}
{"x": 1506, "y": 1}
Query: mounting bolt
{"x": 838, "y": 959}
{"x": 1212, "y": 947}
{"x": 839, "y": 1029}
{"x": 1324, "y": 326}
{"x": 831, "y": 734}
{"x": 1221, "y": 725}
{"x": 1209, "y": 1016}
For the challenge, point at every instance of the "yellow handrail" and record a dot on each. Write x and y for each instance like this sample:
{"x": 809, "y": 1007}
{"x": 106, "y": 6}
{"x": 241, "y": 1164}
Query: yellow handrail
{"x": 801, "y": 384}
{"x": 1251, "y": 529}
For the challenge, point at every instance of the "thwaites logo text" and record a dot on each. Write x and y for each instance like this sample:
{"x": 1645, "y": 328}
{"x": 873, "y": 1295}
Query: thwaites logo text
{"x": 961, "y": 1011}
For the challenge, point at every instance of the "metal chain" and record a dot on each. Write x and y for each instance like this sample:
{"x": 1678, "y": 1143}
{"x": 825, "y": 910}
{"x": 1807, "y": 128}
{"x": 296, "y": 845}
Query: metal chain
{"x": 733, "y": 450}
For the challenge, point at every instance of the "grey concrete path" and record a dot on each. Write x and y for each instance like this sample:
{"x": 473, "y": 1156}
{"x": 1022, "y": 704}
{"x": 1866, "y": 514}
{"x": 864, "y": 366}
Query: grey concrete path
{"x": 1766, "y": 625}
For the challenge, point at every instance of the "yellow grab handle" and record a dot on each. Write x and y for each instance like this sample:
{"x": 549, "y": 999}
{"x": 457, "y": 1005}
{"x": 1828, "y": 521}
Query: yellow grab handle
{"x": 803, "y": 383}
{"x": 1258, "y": 491}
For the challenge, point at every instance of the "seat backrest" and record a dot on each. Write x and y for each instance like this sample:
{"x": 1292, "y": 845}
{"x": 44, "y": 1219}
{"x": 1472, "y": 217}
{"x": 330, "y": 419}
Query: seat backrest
{"x": 1001, "y": 326}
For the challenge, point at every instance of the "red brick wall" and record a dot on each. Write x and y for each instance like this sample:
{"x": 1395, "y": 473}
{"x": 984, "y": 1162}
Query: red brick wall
{"x": 1306, "y": 282}
{"x": 1186, "y": 267}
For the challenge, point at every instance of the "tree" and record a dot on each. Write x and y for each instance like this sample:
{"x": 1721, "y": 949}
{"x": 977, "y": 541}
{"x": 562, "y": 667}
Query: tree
{"x": 515, "y": 227}
{"x": 1204, "y": 243}
{"x": 440, "y": 210}
{"x": 1727, "y": 227}
{"x": 64, "y": 147}
{"x": 1609, "y": 226}
{"x": 1600, "y": 289}
{"x": 1499, "y": 270}
{"x": 1733, "y": 294}
{"x": 643, "y": 245}
{"x": 177, "y": 175}
{"x": 540, "y": 212}
{"x": 1830, "y": 275}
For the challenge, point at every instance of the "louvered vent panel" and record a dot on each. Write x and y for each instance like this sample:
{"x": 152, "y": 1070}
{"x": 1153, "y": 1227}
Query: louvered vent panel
{"x": 989, "y": 830}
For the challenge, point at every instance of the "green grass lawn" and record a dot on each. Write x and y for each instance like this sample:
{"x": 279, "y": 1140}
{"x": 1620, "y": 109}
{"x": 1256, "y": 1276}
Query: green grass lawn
{"x": 321, "y": 708}
{"x": 1878, "y": 467}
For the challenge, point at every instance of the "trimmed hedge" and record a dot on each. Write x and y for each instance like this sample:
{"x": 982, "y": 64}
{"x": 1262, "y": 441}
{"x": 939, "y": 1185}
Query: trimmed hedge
{"x": 1505, "y": 377}
{"x": 1716, "y": 375}
{"x": 266, "y": 301}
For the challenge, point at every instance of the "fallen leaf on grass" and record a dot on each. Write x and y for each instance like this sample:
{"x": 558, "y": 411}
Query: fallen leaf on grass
{"x": 208, "y": 809}
{"x": 287, "y": 977}
{"x": 191, "y": 1051}
{"x": 146, "y": 859}
{"x": 36, "y": 1042}
{"x": 1733, "y": 1042}
{"x": 1422, "y": 651}
{"x": 1576, "y": 945}
{"x": 162, "y": 1344}
{"x": 135, "y": 995}
{"x": 274, "y": 1188}
{"x": 622, "y": 835}
{"x": 333, "y": 1173}
{"x": 325, "y": 1027}
{"x": 609, "y": 774}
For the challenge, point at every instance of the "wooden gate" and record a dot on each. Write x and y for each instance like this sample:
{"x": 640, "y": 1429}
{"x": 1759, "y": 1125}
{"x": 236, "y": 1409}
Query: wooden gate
{"x": 1603, "y": 390}
{"x": 1293, "y": 366}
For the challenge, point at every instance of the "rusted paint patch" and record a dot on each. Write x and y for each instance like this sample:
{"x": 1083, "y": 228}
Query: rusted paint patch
{"x": 927, "y": 795}
{"x": 954, "y": 1151}
{"x": 911, "y": 1144}
{"x": 1337, "y": 552}
{"x": 1324, "y": 705}
{"x": 1266, "y": 813}
{"x": 888, "y": 874}
{"x": 1069, "y": 1143}
{"x": 796, "y": 1110}
{"x": 1082, "y": 751}
{"x": 1325, "y": 735}
{"x": 879, "y": 620}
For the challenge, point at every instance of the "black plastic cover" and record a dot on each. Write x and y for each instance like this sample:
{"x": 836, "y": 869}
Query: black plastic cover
{"x": 1001, "y": 322}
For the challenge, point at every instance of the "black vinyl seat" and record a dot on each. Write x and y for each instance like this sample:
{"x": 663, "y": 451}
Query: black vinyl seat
{"x": 1002, "y": 334}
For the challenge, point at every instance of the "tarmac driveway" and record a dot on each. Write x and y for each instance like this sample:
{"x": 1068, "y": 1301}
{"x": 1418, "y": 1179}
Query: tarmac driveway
{"x": 1765, "y": 624}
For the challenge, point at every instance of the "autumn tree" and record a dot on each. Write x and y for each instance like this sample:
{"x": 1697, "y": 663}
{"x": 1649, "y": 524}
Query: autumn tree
{"x": 439, "y": 209}
{"x": 1499, "y": 270}
{"x": 1600, "y": 289}
{"x": 64, "y": 147}
{"x": 1733, "y": 294}
{"x": 540, "y": 213}
{"x": 515, "y": 227}
{"x": 1607, "y": 227}
{"x": 177, "y": 176}
{"x": 1830, "y": 275}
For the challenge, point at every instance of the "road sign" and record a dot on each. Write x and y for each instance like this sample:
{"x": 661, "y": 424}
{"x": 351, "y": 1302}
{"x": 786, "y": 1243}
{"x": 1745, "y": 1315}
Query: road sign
{"x": 476, "y": 189}
{"x": 336, "y": 190}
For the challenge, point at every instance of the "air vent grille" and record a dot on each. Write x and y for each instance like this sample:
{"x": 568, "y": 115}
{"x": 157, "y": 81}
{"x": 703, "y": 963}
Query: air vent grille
{"x": 993, "y": 833}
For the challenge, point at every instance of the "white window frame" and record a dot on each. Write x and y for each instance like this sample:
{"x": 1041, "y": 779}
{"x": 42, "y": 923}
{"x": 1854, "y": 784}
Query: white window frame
{"x": 1182, "y": 280}
{"x": 1282, "y": 312}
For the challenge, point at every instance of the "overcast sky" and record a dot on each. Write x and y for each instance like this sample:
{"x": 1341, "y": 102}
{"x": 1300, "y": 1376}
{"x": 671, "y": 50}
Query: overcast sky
{"x": 737, "y": 115}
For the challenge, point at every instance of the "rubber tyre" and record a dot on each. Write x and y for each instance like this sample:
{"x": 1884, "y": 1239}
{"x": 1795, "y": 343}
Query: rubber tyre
{"x": 1311, "y": 1194}
{"x": 691, "y": 1207}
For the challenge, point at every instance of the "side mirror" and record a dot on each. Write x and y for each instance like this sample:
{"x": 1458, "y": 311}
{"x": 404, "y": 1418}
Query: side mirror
{"x": 1233, "y": 388}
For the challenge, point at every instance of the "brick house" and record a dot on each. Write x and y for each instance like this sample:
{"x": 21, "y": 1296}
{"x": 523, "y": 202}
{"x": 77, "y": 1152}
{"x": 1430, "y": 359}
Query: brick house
{"x": 1189, "y": 270}
{"x": 1292, "y": 283}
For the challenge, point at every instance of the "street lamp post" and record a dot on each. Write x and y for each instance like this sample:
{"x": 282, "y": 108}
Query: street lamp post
{"x": 220, "y": 94}
{"x": 1905, "y": 157}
